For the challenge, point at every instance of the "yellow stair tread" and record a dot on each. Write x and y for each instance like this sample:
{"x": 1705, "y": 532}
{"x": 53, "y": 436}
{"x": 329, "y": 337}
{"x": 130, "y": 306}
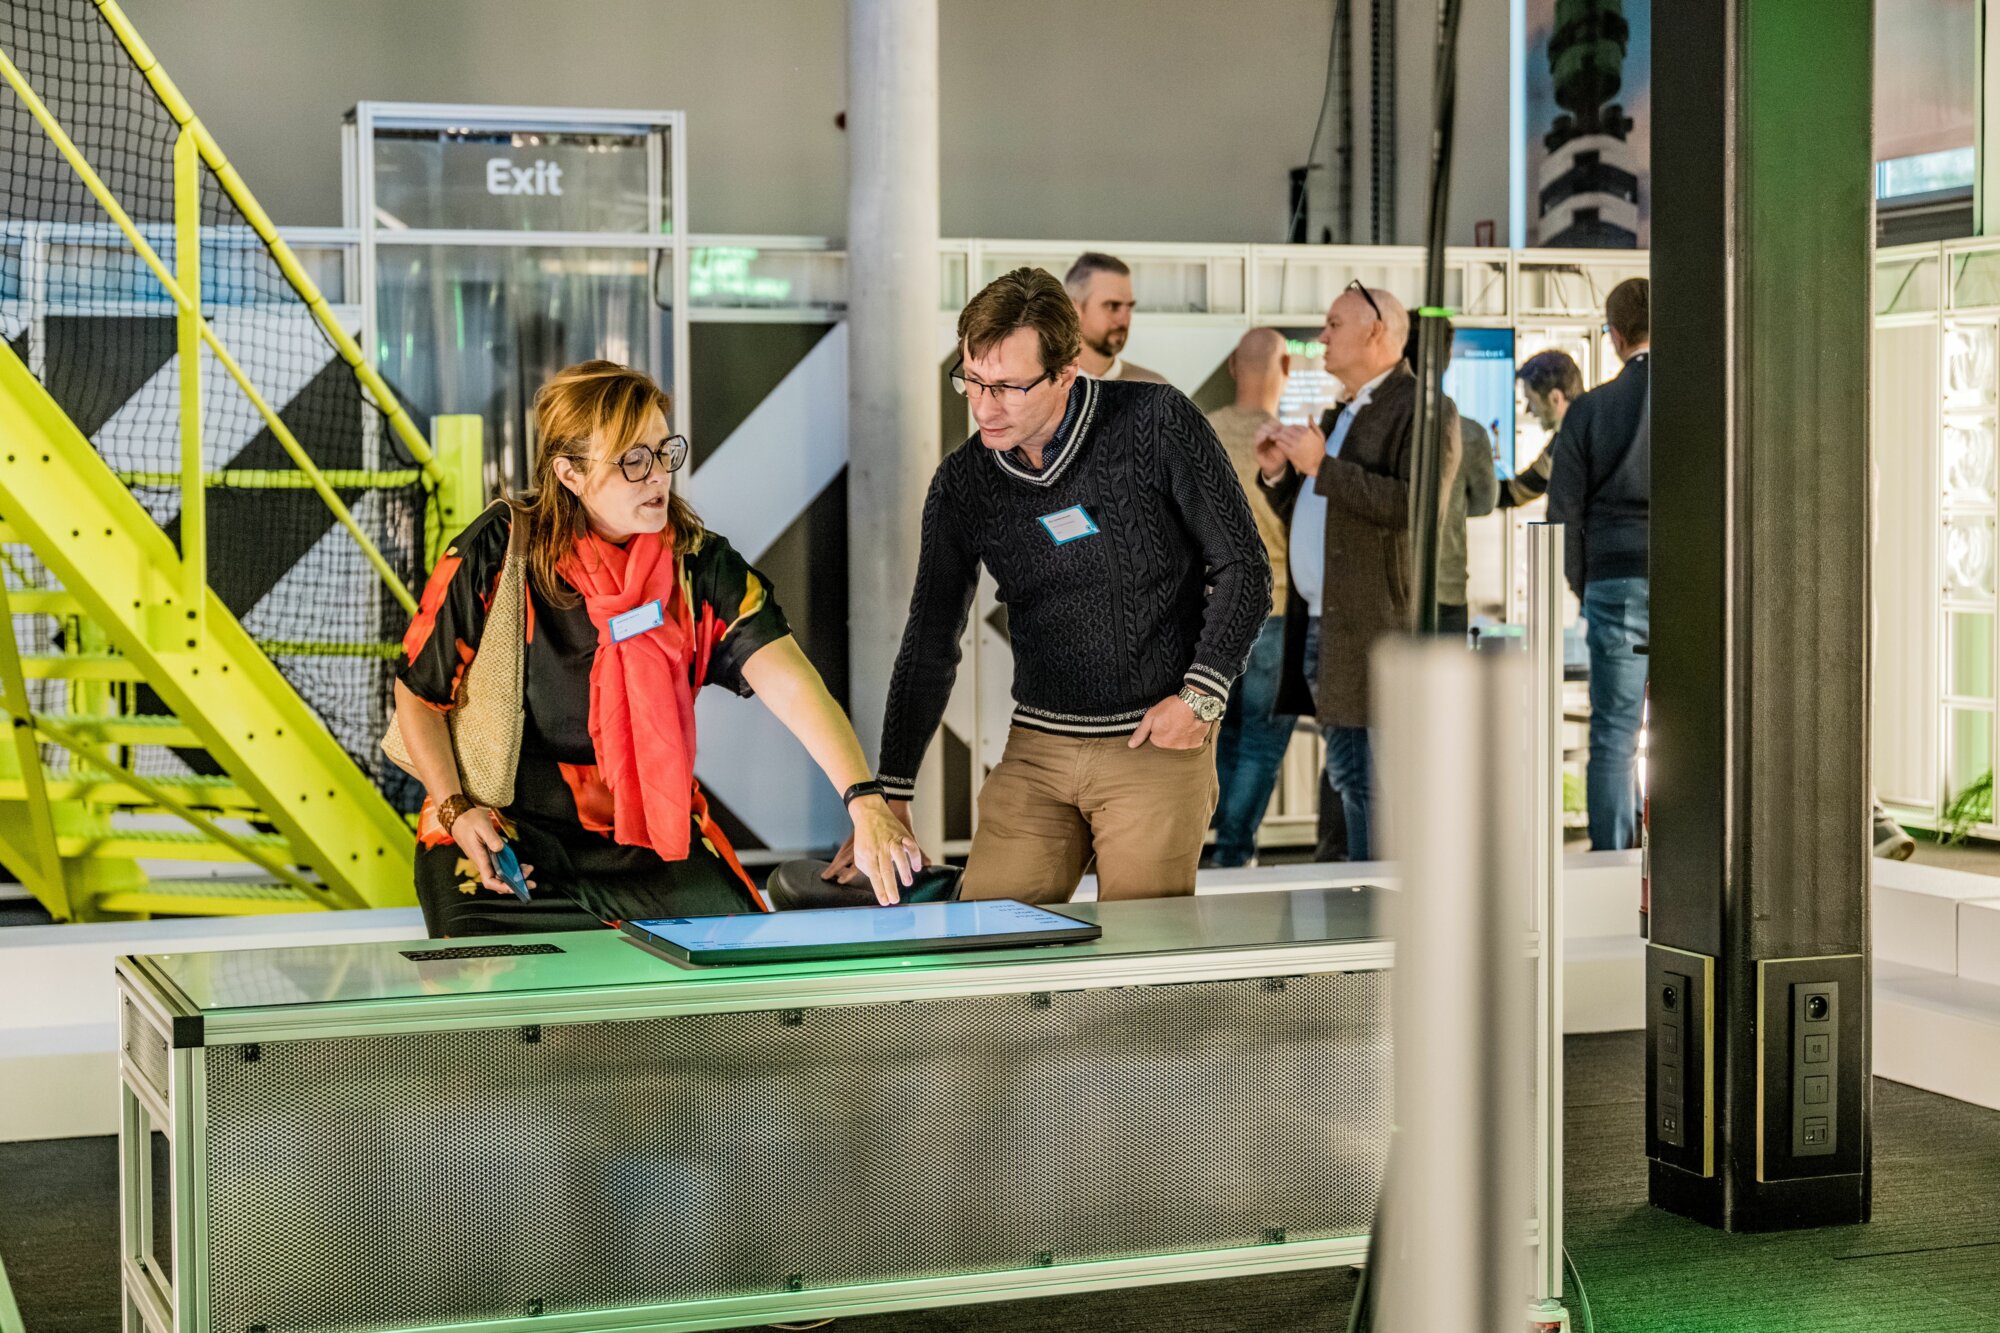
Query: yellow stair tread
{"x": 80, "y": 666}
{"x": 166, "y": 844}
{"x": 129, "y": 728}
{"x": 204, "y": 791}
{"x": 210, "y": 897}
{"x": 43, "y": 602}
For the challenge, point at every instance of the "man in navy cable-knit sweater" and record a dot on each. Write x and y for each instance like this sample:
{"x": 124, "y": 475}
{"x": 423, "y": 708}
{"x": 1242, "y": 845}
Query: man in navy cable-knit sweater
{"x": 1134, "y": 582}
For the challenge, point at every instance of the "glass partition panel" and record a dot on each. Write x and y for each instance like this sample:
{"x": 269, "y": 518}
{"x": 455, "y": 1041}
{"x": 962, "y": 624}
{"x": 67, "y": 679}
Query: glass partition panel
{"x": 1969, "y": 781}
{"x": 1226, "y": 278}
{"x": 1968, "y": 557}
{"x": 1571, "y": 287}
{"x": 952, "y": 294}
{"x": 1971, "y": 655}
{"x": 748, "y": 277}
{"x": 1906, "y": 285}
{"x": 1172, "y": 286}
{"x": 81, "y": 273}
{"x": 1289, "y": 287}
{"x": 1162, "y": 284}
{"x": 1485, "y": 288}
{"x": 1975, "y": 278}
{"x": 1968, "y": 462}
{"x": 1969, "y": 381}
{"x": 327, "y": 265}
{"x": 478, "y": 329}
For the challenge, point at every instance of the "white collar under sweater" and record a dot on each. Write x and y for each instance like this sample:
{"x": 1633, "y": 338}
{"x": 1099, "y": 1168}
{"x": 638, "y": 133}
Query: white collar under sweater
{"x": 1060, "y": 451}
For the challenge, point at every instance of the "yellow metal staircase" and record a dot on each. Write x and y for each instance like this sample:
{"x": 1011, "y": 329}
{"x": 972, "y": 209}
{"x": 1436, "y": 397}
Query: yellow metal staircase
{"x": 152, "y": 737}
{"x": 289, "y": 801}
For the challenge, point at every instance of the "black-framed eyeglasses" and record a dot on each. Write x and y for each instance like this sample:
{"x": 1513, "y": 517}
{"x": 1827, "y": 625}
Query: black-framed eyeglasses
{"x": 1361, "y": 289}
{"x": 638, "y": 462}
{"x": 964, "y": 385}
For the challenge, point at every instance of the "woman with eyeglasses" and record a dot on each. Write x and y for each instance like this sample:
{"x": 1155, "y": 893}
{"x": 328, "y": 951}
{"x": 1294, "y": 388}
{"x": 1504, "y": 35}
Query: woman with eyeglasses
{"x": 631, "y": 607}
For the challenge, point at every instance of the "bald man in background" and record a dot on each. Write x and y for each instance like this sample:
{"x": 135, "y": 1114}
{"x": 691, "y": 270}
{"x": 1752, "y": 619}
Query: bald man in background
{"x": 1255, "y": 731}
{"x": 1343, "y": 489}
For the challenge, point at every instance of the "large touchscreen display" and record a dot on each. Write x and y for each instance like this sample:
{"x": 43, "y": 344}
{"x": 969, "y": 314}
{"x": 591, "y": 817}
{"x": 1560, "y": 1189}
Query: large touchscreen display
{"x": 851, "y": 931}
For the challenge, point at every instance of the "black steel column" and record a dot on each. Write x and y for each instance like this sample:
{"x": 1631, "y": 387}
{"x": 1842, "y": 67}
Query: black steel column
{"x": 1757, "y": 968}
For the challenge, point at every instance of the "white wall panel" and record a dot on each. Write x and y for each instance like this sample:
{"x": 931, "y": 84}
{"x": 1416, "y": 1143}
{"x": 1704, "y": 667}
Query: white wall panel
{"x": 1904, "y": 707}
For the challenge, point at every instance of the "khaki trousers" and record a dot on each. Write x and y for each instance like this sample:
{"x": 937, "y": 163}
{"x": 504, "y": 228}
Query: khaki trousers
{"x": 1055, "y": 803}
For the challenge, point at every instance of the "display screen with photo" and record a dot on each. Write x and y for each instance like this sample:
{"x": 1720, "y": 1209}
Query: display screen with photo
{"x": 1480, "y": 380}
{"x": 1310, "y": 390}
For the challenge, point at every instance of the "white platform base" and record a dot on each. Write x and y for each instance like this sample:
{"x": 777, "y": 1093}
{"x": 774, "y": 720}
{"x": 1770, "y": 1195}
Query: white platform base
{"x": 1937, "y": 980}
{"x": 1938, "y": 1032}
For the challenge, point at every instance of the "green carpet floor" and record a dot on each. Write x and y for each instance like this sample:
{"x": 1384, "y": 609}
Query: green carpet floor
{"x": 1928, "y": 1263}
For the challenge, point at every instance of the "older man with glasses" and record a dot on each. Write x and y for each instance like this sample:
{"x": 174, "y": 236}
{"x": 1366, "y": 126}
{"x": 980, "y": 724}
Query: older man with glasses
{"x": 1343, "y": 489}
{"x": 1134, "y": 582}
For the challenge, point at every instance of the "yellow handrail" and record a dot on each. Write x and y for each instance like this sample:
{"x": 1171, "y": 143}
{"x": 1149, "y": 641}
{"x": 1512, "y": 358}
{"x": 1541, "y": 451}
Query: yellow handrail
{"x": 15, "y": 702}
{"x": 278, "y": 428}
{"x": 288, "y": 263}
{"x": 187, "y": 344}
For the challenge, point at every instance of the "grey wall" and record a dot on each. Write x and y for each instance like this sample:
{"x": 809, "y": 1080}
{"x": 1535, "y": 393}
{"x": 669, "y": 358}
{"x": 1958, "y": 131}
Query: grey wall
{"x": 1482, "y": 137}
{"x": 1173, "y": 120}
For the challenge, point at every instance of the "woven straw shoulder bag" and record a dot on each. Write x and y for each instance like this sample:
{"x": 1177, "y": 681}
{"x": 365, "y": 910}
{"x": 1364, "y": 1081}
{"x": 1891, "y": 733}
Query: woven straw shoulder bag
{"x": 486, "y": 716}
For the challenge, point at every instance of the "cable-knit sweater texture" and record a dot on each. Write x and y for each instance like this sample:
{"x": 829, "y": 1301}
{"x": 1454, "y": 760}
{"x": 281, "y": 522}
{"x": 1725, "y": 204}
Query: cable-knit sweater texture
{"x": 1171, "y": 588}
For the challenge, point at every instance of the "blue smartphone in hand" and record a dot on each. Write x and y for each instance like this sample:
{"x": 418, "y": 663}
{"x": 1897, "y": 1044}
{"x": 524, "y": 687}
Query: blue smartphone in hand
{"x": 509, "y": 867}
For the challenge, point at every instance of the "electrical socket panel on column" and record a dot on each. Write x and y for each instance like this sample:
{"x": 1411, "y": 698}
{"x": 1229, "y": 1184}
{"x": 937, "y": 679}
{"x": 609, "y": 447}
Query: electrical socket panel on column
{"x": 1812, "y": 1068}
{"x": 1815, "y": 1068}
{"x": 1680, "y": 1092}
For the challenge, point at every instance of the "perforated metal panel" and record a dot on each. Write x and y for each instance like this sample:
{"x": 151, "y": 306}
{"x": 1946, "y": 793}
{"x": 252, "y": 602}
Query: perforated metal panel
{"x": 145, "y": 1046}
{"x": 413, "y": 1180}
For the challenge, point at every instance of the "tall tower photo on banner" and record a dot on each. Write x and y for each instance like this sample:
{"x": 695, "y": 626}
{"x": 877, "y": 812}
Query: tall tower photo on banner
{"x": 1589, "y": 123}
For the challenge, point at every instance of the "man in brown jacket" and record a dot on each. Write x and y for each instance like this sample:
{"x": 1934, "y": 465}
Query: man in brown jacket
{"x": 1343, "y": 489}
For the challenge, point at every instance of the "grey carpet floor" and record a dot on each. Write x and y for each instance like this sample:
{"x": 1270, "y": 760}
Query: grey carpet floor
{"x": 1928, "y": 1263}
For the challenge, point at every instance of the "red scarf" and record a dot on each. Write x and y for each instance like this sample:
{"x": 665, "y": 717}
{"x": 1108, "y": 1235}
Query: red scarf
{"x": 645, "y": 754}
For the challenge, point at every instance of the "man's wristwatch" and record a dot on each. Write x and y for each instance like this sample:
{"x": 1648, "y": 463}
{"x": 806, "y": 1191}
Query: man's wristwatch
{"x": 1206, "y": 707}
{"x": 451, "y": 807}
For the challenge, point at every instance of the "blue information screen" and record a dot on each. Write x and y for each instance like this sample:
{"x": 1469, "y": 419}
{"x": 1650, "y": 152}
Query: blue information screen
{"x": 847, "y": 932}
{"x": 1480, "y": 380}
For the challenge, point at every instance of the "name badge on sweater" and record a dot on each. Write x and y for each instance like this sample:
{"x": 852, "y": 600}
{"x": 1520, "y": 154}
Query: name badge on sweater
{"x": 1068, "y": 524}
{"x": 631, "y": 624}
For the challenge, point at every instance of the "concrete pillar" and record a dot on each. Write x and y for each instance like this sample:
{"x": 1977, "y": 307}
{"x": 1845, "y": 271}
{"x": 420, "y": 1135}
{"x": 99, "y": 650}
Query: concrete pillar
{"x": 1758, "y": 1053}
{"x": 892, "y": 364}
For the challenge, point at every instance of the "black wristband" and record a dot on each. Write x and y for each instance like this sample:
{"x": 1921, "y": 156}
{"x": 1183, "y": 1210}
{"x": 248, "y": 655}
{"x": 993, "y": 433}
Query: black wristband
{"x": 860, "y": 789}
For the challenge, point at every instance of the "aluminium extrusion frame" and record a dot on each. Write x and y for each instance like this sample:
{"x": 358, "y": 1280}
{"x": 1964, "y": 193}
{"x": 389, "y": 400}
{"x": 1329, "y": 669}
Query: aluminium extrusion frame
{"x": 163, "y": 1078}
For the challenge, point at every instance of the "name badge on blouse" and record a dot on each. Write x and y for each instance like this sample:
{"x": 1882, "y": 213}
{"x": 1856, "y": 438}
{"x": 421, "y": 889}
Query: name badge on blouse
{"x": 1067, "y": 525}
{"x": 631, "y": 624}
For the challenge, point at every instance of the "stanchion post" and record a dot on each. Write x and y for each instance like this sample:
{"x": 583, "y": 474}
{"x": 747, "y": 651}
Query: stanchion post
{"x": 1457, "y": 1197}
{"x": 1545, "y": 758}
{"x": 458, "y": 443}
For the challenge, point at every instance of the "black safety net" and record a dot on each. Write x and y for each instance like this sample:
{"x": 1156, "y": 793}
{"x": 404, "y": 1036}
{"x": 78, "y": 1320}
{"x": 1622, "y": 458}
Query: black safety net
{"x": 80, "y": 307}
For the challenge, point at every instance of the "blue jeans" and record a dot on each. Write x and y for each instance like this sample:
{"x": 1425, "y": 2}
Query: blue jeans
{"x": 1349, "y": 762}
{"x": 1616, "y": 610}
{"x": 1250, "y": 748}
